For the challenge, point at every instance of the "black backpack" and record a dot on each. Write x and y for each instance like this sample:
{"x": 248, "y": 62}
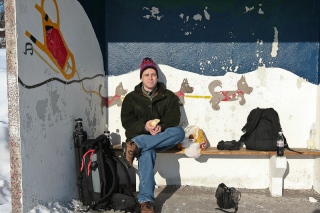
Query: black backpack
{"x": 97, "y": 175}
{"x": 261, "y": 130}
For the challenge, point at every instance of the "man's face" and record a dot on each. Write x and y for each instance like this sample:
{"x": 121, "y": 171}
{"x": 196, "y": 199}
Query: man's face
{"x": 149, "y": 79}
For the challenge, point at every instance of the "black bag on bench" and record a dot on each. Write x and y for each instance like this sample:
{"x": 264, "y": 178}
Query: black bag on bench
{"x": 261, "y": 130}
{"x": 229, "y": 145}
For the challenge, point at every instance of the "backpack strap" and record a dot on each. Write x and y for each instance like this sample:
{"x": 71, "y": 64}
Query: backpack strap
{"x": 91, "y": 152}
{"x": 277, "y": 125}
{"x": 124, "y": 169}
{"x": 256, "y": 115}
{"x": 275, "y": 118}
{"x": 287, "y": 146}
{"x": 225, "y": 210}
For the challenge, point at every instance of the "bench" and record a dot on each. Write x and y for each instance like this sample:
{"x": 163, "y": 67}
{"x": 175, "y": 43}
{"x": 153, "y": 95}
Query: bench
{"x": 277, "y": 165}
{"x": 242, "y": 151}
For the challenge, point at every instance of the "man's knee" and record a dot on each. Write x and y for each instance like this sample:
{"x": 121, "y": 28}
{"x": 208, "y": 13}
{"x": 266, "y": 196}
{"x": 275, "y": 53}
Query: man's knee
{"x": 180, "y": 132}
{"x": 177, "y": 130}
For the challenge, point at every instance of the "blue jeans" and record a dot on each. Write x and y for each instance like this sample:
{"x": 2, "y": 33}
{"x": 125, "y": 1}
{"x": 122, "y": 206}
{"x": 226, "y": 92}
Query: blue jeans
{"x": 149, "y": 145}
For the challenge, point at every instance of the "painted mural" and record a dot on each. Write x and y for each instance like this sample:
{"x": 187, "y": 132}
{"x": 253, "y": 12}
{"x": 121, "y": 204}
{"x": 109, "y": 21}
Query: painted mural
{"x": 61, "y": 57}
{"x": 115, "y": 99}
{"x": 233, "y": 95}
{"x": 184, "y": 89}
{"x": 54, "y": 45}
{"x": 215, "y": 40}
{"x": 228, "y": 51}
{"x": 60, "y": 77}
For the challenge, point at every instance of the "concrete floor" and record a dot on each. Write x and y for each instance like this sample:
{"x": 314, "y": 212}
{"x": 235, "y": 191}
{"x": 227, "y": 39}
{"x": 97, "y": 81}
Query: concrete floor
{"x": 190, "y": 199}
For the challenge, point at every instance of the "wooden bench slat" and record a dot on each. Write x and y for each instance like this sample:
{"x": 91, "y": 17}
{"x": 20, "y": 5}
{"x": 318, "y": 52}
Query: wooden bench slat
{"x": 242, "y": 151}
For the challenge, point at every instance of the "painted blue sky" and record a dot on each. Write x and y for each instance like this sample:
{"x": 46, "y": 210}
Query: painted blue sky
{"x": 210, "y": 38}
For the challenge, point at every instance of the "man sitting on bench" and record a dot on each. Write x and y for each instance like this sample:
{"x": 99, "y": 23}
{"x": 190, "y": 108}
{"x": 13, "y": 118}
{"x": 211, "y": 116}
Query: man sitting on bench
{"x": 150, "y": 102}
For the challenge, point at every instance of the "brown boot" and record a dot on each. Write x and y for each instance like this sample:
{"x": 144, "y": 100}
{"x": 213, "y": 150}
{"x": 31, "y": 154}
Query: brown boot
{"x": 129, "y": 152}
{"x": 147, "y": 207}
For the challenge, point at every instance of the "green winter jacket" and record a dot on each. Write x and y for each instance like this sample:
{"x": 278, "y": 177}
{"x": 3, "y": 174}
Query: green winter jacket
{"x": 137, "y": 109}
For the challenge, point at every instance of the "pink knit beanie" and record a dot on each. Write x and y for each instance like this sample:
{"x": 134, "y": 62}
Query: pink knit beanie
{"x": 147, "y": 63}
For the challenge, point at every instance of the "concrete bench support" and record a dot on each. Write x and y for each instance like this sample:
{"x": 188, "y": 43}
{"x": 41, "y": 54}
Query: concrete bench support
{"x": 278, "y": 166}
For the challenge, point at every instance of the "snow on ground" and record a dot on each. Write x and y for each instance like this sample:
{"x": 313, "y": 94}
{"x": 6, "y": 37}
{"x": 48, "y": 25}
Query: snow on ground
{"x": 5, "y": 192}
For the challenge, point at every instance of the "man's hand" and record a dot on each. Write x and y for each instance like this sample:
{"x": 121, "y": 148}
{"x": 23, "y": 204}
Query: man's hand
{"x": 156, "y": 130}
{"x": 153, "y": 130}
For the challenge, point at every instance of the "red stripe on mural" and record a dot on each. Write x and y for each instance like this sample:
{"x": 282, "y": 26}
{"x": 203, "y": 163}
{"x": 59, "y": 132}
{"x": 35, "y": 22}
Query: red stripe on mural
{"x": 56, "y": 46}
